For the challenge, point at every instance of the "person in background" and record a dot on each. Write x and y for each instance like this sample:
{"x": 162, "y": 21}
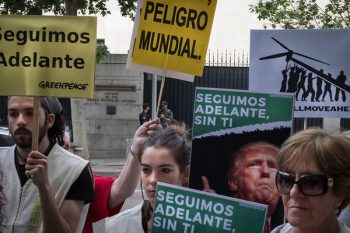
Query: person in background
{"x": 313, "y": 178}
{"x": 251, "y": 177}
{"x": 145, "y": 115}
{"x": 50, "y": 185}
{"x": 164, "y": 157}
{"x": 165, "y": 115}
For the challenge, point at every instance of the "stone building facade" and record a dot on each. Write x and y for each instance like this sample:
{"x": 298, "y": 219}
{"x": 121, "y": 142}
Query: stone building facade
{"x": 111, "y": 118}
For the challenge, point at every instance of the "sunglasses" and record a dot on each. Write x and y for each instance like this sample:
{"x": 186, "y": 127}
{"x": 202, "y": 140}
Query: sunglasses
{"x": 309, "y": 185}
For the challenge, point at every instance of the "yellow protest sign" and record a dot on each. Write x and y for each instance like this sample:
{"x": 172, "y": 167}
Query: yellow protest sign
{"x": 174, "y": 34}
{"x": 47, "y": 55}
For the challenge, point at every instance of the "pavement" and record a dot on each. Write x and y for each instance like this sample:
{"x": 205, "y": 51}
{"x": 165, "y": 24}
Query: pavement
{"x": 113, "y": 167}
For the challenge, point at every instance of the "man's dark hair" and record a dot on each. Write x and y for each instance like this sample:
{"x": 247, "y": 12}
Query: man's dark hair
{"x": 56, "y": 132}
{"x": 145, "y": 105}
{"x": 53, "y": 106}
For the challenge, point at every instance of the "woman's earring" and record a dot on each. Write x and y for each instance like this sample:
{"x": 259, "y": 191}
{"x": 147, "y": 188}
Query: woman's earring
{"x": 337, "y": 212}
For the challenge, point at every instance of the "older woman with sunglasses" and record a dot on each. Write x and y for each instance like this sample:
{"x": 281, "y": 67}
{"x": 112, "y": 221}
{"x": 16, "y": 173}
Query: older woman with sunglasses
{"x": 314, "y": 179}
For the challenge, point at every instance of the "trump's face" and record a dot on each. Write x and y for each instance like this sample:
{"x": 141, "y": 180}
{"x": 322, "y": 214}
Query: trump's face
{"x": 254, "y": 177}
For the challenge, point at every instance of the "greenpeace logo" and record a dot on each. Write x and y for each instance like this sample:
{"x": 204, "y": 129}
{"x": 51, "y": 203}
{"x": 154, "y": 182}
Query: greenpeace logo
{"x": 63, "y": 86}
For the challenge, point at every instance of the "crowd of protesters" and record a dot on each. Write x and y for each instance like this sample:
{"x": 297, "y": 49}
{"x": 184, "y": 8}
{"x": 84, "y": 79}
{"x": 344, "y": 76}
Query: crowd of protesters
{"x": 50, "y": 189}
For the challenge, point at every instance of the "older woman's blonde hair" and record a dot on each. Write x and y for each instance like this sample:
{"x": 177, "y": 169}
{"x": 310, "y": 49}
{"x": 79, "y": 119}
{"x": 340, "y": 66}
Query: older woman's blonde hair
{"x": 329, "y": 150}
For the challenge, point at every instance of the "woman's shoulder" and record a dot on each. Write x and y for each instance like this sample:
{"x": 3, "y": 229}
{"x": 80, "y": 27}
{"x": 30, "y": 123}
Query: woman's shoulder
{"x": 134, "y": 211}
{"x": 127, "y": 221}
{"x": 344, "y": 228}
{"x": 284, "y": 228}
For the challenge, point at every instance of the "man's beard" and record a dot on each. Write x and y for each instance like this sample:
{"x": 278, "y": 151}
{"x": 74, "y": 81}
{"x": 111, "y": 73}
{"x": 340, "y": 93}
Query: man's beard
{"x": 26, "y": 142}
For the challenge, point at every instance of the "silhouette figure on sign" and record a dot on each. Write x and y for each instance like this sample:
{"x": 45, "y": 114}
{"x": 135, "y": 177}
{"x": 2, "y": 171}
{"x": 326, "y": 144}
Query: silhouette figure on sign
{"x": 291, "y": 78}
{"x": 340, "y": 79}
{"x": 294, "y": 74}
{"x": 301, "y": 84}
{"x": 310, "y": 88}
{"x": 284, "y": 81}
{"x": 319, "y": 82}
{"x": 327, "y": 89}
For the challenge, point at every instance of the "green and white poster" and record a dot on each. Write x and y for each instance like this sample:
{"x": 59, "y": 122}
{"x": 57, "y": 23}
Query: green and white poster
{"x": 225, "y": 111}
{"x": 179, "y": 209}
{"x": 235, "y": 139}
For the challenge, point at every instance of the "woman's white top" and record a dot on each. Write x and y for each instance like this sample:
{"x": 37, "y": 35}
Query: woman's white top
{"x": 286, "y": 227}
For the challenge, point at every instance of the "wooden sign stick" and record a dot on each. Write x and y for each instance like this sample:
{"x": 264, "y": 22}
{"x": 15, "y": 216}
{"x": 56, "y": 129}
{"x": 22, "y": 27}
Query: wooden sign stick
{"x": 35, "y": 129}
{"x": 160, "y": 93}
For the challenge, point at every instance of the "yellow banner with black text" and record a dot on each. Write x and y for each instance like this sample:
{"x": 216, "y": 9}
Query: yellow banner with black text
{"x": 48, "y": 55}
{"x": 174, "y": 35}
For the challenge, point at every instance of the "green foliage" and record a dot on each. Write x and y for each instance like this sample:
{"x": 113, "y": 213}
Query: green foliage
{"x": 101, "y": 53}
{"x": 128, "y": 8}
{"x": 68, "y": 7}
{"x": 302, "y": 14}
{"x": 59, "y": 7}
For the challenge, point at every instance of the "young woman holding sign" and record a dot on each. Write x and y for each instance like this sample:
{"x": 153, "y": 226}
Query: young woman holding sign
{"x": 164, "y": 157}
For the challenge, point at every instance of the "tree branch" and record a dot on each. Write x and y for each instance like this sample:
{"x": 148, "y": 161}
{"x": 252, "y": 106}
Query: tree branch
{"x": 336, "y": 9}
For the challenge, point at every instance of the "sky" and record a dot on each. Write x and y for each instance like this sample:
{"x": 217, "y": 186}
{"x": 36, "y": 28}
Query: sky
{"x": 230, "y": 31}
